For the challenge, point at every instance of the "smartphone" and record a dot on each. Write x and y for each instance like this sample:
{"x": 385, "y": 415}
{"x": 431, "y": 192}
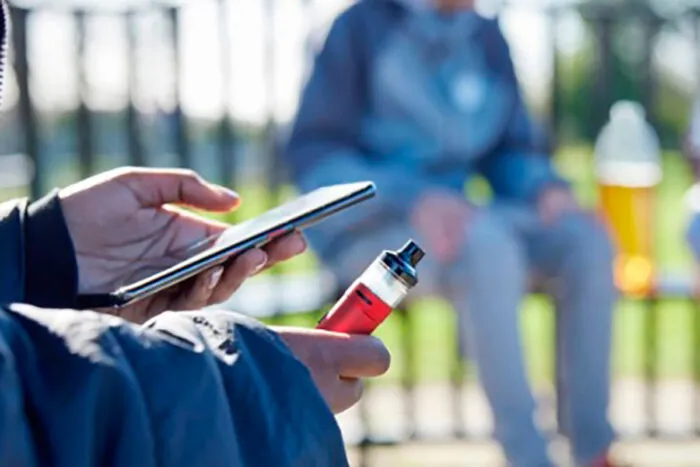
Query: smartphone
{"x": 297, "y": 214}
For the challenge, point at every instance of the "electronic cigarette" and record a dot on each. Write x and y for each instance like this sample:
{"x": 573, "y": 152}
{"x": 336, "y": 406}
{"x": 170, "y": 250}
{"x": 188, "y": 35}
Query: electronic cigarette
{"x": 378, "y": 290}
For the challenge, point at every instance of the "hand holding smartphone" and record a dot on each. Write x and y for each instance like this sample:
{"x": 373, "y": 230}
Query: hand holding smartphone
{"x": 297, "y": 214}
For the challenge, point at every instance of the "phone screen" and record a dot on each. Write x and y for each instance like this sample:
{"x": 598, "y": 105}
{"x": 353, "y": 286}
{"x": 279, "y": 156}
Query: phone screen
{"x": 296, "y": 214}
{"x": 299, "y": 209}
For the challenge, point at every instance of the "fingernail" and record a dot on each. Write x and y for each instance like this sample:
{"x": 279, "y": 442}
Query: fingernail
{"x": 260, "y": 260}
{"x": 215, "y": 277}
{"x": 227, "y": 192}
{"x": 298, "y": 244}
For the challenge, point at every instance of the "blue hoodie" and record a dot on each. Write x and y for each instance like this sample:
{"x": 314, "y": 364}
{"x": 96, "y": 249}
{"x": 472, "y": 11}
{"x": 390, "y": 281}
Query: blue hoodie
{"x": 412, "y": 99}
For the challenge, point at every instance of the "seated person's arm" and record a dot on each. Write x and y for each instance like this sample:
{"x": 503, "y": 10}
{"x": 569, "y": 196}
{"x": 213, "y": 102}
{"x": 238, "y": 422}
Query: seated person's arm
{"x": 211, "y": 388}
{"x": 520, "y": 168}
{"x": 324, "y": 146}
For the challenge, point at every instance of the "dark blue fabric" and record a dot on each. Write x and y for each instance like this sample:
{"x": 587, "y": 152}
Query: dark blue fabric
{"x": 37, "y": 260}
{"x": 206, "y": 389}
{"x": 81, "y": 389}
{"x": 12, "y": 251}
{"x": 50, "y": 263}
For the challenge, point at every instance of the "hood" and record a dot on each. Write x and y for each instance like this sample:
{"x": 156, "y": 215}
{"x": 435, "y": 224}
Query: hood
{"x": 4, "y": 31}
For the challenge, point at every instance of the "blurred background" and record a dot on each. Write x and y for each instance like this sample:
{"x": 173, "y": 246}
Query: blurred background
{"x": 213, "y": 85}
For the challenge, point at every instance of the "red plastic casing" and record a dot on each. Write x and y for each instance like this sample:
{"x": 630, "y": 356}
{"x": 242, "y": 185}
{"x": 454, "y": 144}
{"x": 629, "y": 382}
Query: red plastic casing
{"x": 359, "y": 311}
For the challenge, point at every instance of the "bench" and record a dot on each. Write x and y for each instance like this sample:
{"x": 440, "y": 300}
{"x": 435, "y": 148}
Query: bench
{"x": 270, "y": 296}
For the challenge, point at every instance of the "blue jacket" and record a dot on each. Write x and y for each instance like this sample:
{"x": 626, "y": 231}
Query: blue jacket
{"x": 81, "y": 389}
{"x": 412, "y": 100}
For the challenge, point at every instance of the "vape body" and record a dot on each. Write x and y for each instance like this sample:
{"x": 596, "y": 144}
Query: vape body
{"x": 378, "y": 290}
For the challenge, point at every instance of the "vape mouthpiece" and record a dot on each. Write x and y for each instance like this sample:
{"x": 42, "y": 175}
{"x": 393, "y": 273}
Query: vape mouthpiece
{"x": 411, "y": 253}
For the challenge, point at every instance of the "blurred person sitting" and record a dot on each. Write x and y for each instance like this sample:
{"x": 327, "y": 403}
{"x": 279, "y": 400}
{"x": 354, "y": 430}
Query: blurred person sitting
{"x": 197, "y": 388}
{"x": 420, "y": 96}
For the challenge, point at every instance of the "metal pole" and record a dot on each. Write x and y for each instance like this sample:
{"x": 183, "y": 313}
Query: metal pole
{"x": 651, "y": 26}
{"x": 459, "y": 431}
{"x": 180, "y": 119}
{"x": 86, "y": 153}
{"x": 136, "y": 147}
{"x": 226, "y": 132}
{"x": 603, "y": 75}
{"x": 650, "y": 374}
{"x": 695, "y": 342}
{"x": 273, "y": 169}
{"x": 410, "y": 375}
{"x": 27, "y": 112}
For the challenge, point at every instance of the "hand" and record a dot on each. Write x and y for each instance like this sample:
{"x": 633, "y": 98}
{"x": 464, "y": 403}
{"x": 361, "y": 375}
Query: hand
{"x": 555, "y": 202}
{"x": 124, "y": 229}
{"x": 441, "y": 220}
{"x": 337, "y": 362}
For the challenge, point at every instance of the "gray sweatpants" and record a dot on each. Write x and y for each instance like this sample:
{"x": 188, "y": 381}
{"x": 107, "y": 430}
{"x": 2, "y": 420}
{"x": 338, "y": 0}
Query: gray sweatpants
{"x": 506, "y": 247}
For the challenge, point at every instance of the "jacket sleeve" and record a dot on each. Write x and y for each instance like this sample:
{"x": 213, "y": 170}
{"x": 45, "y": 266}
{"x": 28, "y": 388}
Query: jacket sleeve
{"x": 521, "y": 166}
{"x": 37, "y": 264}
{"x": 12, "y": 246}
{"x": 81, "y": 389}
{"x": 324, "y": 146}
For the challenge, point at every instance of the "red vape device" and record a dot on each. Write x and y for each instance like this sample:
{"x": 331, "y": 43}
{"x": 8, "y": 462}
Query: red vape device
{"x": 372, "y": 297}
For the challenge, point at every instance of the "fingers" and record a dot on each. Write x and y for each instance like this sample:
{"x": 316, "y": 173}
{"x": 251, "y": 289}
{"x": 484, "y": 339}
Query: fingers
{"x": 244, "y": 266}
{"x": 156, "y": 187}
{"x": 285, "y": 248}
{"x": 345, "y": 395}
{"x": 337, "y": 362}
{"x": 254, "y": 261}
{"x": 347, "y": 356}
{"x": 195, "y": 233}
{"x": 358, "y": 356}
{"x": 198, "y": 295}
{"x": 219, "y": 285}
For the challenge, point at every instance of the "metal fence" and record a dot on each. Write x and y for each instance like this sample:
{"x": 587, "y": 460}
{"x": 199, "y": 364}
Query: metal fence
{"x": 229, "y": 144}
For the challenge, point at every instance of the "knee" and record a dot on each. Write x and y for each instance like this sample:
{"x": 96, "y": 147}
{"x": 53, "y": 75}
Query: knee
{"x": 586, "y": 240}
{"x": 692, "y": 235}
{"x": 491, "y": 244}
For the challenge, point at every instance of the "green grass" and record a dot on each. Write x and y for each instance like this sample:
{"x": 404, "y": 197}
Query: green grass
{"x": 434, "y": 322}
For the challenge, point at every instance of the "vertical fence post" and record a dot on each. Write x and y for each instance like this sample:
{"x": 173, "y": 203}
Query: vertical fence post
{"x": 695, "y": 342}
{"x": 648, "y": 85}
{"x": 274, "y": 169}
{"x": 86, "y": 150}
{"x": 181, "y": 129}
{"x": 226, "y": 138}
{"x": 604, "y": 72}
{"x": 134, "y": 135}
{"x": 409, "y": 371}
{"x": 650, "y": 355}
{"x": 458, "y": 387}
{"x": 27, "y": 113}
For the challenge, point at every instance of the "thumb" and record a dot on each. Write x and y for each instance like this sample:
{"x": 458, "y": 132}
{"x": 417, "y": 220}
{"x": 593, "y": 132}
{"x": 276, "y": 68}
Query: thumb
{"x": 157, "y": 187}
{"x": 356, "y": 356}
